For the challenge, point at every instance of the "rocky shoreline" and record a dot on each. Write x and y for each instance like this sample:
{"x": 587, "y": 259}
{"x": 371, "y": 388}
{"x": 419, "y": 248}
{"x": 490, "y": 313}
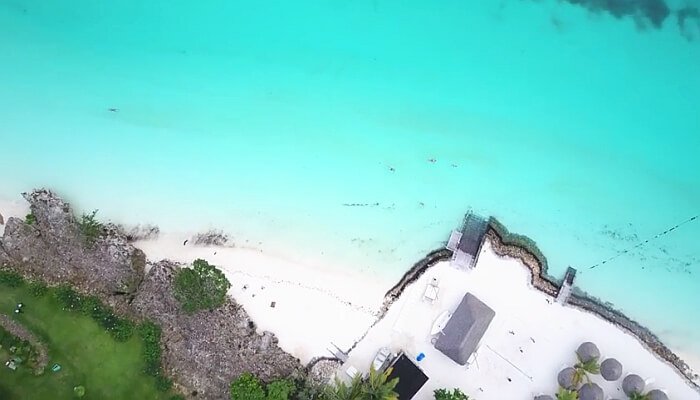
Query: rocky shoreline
{"x": 525, "y": 250}
{"x": 202, "y": 360}
{"x": 203, "y": 352}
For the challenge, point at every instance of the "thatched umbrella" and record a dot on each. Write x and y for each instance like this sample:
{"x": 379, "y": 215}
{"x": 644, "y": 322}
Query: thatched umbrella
{"x": 544, "y": 397}
{"x": 633, "y": 384}
{"x": 611, "y": 369}
{"x": 657, "y": 394}
{"x": 591, "y": 391}
{"x": 588, "y": 351}
{"x": 566, "y": 378}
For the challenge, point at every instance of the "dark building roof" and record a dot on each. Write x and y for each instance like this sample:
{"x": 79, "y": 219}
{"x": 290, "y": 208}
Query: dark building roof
{"x": 473, "y": 232}
{"x": 411, "y": 378}
{"x": 464, "y": 330}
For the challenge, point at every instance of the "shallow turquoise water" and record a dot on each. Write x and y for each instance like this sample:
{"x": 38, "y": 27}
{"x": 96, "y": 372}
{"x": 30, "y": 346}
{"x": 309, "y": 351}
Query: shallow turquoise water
{"x": 267, "y": 118}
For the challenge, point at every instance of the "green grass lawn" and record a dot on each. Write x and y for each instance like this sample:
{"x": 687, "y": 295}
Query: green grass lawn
{"x": 88, "y": 355}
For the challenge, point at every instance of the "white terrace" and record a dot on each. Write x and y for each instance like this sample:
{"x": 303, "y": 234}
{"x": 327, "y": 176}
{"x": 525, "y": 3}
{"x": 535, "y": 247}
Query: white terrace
{"x": 530, "y": 339}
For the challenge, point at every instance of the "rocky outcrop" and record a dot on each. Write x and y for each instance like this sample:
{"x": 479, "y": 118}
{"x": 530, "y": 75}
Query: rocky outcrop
{"x": 203, "y": 351}
{"x": 140, "y": 232}
{"x": 211, "y": 237}
{"x": 206, "y": 350}
{"x": 53, "y": 249}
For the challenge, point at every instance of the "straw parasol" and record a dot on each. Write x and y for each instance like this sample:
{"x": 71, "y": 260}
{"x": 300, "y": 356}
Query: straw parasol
{"x": 566, "y": 378}
{"x": 657, "y": 394}
{"x": 611, "y": 369}
{"x": 591, "y": 391}
{"x": 633, "y": 384}
{"x": 587, "y": 351}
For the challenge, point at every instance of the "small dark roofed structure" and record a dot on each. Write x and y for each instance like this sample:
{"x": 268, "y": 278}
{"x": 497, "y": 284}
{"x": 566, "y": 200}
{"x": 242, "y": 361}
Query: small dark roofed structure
{"x": 587, "y": 351}
{"x": 466, "y": 247}
{"x": 611, "y": 369}
{"x": 633, "y": 384}
{"x": 657, "y": 394}
{"x": 411, "y": 378}
{"x": 591, "y": 391}
{"x": 566, "y": 378}
{"x": 464, "y": 330}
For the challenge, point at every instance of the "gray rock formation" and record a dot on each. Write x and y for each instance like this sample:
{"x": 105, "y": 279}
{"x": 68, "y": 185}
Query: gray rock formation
{"x": 323, "y": 371}
{"x": 208, "y": 349}
{"x": 203, "y": 351}
{"x": 141, "y": 232}
{"x": 211, "y": 237}
{"x": 53, "y": 250}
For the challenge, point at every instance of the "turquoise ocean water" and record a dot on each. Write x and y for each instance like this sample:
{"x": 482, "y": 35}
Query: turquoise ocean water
{"x": 270, "y": 119}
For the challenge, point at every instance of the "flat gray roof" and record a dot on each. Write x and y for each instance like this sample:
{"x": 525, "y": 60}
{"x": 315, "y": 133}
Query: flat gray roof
{"x": 463, "y": 332}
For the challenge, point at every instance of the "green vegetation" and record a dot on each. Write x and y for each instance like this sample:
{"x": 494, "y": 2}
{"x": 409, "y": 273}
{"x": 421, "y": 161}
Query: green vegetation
{"x": 638, "y": 396}
{"x": 17, "y": 347}
{"x": 247, "y": 387}
{"x": 30, "y": 219}
{"x": 202, "y": 287}
{"x": 10, "y": 279}
{"x": 582, "y": 369}
{"x": 121, "y": 329}
{"x": 90, "y": 227}
{"x": 379, "y": 387}
{"x": 98, "y": 358}
{"x": 150, "y": 336}
{"x": 455, "y": 394}
{"x": 280, "y": 389}
{"x": 341, "y": 391}
{"x": 565, "y": 394}
{"x": 37, "y": 289}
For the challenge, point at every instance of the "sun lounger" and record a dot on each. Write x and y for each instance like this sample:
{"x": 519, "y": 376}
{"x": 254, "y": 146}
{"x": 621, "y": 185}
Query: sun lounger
{"x": 431, "y": 291}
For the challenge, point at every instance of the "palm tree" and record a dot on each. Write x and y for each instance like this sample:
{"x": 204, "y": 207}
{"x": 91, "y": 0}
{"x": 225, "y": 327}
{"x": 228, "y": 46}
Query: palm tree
{"x": 583, "y": 369}
{"x": 566, "y": 394}
{"x": 379, "y": 387}
{"x": 341, "y": 391}
{"x": 638, "y": 396}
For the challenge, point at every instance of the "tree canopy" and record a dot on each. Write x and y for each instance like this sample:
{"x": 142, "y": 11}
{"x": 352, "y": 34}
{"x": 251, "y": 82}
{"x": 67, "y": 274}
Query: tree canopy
{"x": 202, "y": 287}
{"x": 454, "y": 394}
{"x": 247, "y": 387}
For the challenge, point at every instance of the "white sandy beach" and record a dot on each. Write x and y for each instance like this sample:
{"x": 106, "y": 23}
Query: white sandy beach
{"x": 528, "y": 342}
{"x": 315, "y": 307}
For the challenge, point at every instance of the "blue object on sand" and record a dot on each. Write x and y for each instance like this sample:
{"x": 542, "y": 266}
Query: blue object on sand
{"x": 420, "y": 357}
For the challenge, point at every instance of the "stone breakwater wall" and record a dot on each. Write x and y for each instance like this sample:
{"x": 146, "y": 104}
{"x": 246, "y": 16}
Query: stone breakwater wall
{"x": 412, "y": 275}
{"x": 506, "y": 244}
{"x": 409, "y": 277}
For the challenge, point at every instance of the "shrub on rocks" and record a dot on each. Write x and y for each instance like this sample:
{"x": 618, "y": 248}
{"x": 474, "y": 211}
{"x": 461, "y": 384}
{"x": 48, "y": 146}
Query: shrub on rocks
{"x": 247, "y": 387}
{"x": 202, "y": 287}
